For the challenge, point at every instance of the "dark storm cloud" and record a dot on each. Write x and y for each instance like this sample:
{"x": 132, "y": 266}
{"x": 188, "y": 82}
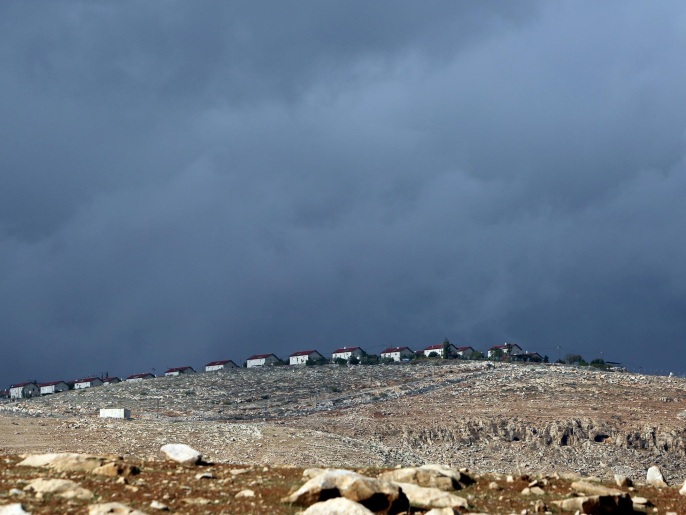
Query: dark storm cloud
{"x": 208, "y": 181}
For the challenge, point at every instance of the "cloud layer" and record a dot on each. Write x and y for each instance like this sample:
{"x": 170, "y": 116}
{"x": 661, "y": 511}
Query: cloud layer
{"x": 207, "y": 182}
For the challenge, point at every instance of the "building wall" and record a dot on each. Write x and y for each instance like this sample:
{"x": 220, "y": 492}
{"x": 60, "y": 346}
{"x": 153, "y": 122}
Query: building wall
{"x": 255, "y": 363}
{"x": 212, "y": 368}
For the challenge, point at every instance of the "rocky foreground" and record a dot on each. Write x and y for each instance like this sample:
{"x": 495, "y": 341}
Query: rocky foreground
{"x": 182, "y": 481}
{"x": 539, "y": 422}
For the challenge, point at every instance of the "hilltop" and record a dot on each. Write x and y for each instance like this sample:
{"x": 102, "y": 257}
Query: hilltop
{"x": 507, "y": 418}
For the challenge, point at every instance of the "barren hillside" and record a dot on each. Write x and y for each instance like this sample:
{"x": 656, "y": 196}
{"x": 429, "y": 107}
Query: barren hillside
{"x": 507, "y": 418}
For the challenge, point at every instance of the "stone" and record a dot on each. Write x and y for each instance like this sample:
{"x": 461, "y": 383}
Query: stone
{"x": 13, "y": 509}
{"x": 245, "y": 493}
{"x": 181, "y": 453}
{"x": 594, "y": 489}
{"x": 434, "y": 476}
{"x": 654, "y": 477}
{"x": 313, "y": 472}
{"x": 114, "y": 469}
{"x": 115, "y": 508}
{"x": 204, "y": 475}
{"x": 375, "y": 494}
{"x": 67, "y": 461}
{"x": 536, "y": 490}
{"x": 441, "y": 511}
{"x": 623, "y": 481}
{"x": 597, "y": 504}
{"x": 157, "y": 505}
{"x": 494, "y": 486}
{"x": 682, "y": 491}
{"x": 427, "y": 498}
{"x": 337, "y": 506}
{"x": 65, "y": 488}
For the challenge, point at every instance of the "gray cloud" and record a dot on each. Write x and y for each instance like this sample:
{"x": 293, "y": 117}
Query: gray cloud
{"x": 208, "y": 182}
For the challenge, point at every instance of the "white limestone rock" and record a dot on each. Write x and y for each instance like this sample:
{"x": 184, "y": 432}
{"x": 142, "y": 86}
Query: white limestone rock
{"x": 654, "y": 477}
{"x": 181, "y": 453}
{"x": 337, "y": 506}
{"x": 113, "y": 508}
{"x": 13, "y": 509}
{"x": 64, "y": 488}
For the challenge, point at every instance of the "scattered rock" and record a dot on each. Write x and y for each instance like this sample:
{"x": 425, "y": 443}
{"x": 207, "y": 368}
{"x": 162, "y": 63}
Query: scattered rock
{"x": 65, "y": 488}
{"x": 375, "y": 494}
{"x": 434, "y": 476}
{"x": 682, "y": 491}
{"x": 157, "y": 505}
{"x": 115, "y": 508}
{"x": 67, "y": 461}
{"x": 494, "y": 486}
{"x": 116, "y": 469}
{"x": 181, "y": 453}
{"x": 204, "y": 475}
{"x": 597, "y": 504}
{"x": 623, "y": 481}
{"x": 593, "y": 489}
{"x": 337, "y": 506}
{"x": 654, "y": 477}
{"x": 245, "y": 493}
{"x": 13, "y": 509}
{"x": 427, "y": 498}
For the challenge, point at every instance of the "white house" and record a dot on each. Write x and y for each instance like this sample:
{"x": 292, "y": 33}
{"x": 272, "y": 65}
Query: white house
{"x": 261, "y": 360}
{"x": 347, "y": 352}
{"x": 466, "y": 352}
{"x": 301, "y": 357}
{"x": 220, "y": 365}
{"x": 110, "y": 380}
{"x": 439, "y": 348}
{"x": 397, "y": 353}
{"x": 179, "y": 370}
{"x": 507, "y": 349}
{"x": 53, "y": 387}
{"x": 24, "y": 390}
{"x": 137, "y": 378}
{"x": 87, "y": 382}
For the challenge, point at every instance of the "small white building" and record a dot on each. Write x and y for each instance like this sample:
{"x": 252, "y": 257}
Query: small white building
{"x": 220, "y": 365}
{"x": 110, "y": 380}
{"x": 115, "y": 413}
{"x": 397, "y": 353}
{"x": 179, "y": 370}
{"x": 507, "y": 349}
{"x": 87, "y": 382}
{"x": 137, "y": 378}
{"x": 347, "y": 353}
{"x": 439, "y": 349}
{"x": 262, "y": 360}
{"x": 301, "y": 357}
{"x": 53, "y": 387}
{"x": 24, "y": 390}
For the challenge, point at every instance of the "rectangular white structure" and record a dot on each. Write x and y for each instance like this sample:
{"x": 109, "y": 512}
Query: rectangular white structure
{"x": 115, "y": 413}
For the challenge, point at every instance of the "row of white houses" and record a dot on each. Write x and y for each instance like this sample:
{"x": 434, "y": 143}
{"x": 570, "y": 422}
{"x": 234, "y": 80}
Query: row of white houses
{"x": 349, "y": 354}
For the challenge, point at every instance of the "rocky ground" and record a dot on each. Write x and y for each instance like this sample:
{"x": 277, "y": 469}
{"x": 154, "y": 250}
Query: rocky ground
{"x": 516, "y": 419}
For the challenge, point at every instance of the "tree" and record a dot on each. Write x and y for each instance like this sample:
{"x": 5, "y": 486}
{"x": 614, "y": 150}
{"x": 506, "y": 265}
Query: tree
{"x": 340, "y": 361}
{"x": 447, "y": 351}
{"x": 570, "y": 359}
{"x": 433, "y": 354}
{"x": 354, "y": 360}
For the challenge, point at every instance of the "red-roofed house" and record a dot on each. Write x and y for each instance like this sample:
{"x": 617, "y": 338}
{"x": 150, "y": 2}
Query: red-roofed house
{"x": 24, "y": 390}
{"x": 261, "y": 360}
{"x": 397, "y": 353}
{"x": 136, "y": 378}
{"x": 528, "y": 356}
{"x": 220, "y": 365}
{"x": 438, "y": 349}
{"x": 301, "y": 357}
{"x": 507, "y": 349}
{"x": 87, "y": 382}
{"x": 347, "y": 353}
{"x": 53, "y": 387}
{"x": 179, "y": 370}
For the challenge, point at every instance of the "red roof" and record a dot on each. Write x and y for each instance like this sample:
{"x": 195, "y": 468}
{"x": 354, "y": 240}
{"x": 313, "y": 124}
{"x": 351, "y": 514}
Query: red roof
{"x": 178, "y": 369}
{"x": 261, "y": 356}
{"x": 435, "y": 347}
{"x": 222, "y": 362}
{"x": 345, "y": 349}
{"x": 137, "y": 376}
{"x": 463, "y": 348}
{"x": 303, "y": 353}
{"x": 394, "y": 349}
{"x": 88, "y": 380}
{"x": 22, "y": 384}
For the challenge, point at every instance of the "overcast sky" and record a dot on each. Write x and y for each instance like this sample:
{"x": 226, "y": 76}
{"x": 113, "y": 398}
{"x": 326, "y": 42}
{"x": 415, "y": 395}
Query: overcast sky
{"x": 182, "y": 182}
